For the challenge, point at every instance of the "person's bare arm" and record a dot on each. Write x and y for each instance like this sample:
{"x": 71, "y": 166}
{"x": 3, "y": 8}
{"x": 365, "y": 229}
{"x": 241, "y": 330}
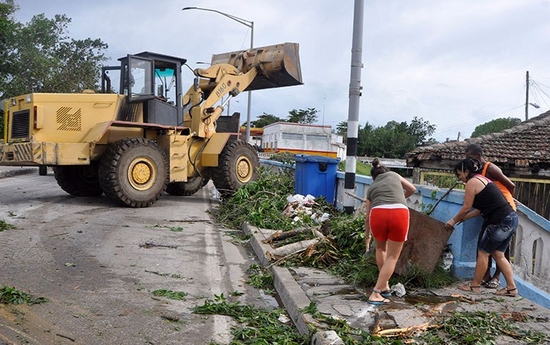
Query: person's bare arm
{"x": 466, "y": 212}
{"x": 472, "y": 214}
{"x": 408, "y": 187}
{"x": 368, "y": 235}
{"x": 495, "y": 173}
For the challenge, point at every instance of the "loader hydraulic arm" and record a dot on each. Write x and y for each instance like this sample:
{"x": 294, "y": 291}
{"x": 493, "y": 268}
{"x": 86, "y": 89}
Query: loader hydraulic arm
{"x": 231, "y": 73}
{"x": 214, "y": 83}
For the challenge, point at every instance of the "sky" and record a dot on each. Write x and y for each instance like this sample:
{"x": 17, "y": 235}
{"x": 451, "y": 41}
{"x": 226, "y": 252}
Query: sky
{"x": 454, "y": 63}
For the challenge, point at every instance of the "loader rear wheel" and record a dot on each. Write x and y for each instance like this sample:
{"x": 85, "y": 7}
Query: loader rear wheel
{"x": 78, "y": 180}
{"x": 134, "y": 172}
{"x": 237, "y": 166}
{"x": 193, "y": 185}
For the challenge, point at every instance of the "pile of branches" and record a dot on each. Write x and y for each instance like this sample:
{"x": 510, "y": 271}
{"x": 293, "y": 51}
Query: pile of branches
{"x": 306, "y": 233}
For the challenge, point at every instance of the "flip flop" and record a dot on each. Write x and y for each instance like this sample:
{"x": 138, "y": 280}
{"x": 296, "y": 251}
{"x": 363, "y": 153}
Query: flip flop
{"x": 385, "y": 293}
{"x": 470, "y": 288}
{"x": 384, "y": 301}
{"x": 380, "y": 302}
{"x": 507, "y": 292}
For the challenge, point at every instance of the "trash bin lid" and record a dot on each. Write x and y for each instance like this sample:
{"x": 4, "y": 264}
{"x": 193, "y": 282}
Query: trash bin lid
{"x": 315, "y": 159}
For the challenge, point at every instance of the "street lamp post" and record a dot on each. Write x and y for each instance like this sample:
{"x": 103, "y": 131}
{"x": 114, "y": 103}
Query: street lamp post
{"x": 249, "y": 24}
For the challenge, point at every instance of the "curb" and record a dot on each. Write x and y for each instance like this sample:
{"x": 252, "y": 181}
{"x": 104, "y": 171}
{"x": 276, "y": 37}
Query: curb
{"x": 291, "y": 294}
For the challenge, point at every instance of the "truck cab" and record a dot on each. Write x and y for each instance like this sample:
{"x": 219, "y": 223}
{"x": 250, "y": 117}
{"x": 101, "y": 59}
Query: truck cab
{"x": 151, "y": 79}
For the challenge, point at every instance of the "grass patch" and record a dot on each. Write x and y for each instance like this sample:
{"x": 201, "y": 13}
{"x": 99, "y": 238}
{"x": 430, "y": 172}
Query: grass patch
{"x": 6, "y": 226}
{"x": 10, "y": 295}
{"x": 171, "y": 294}
{"x": 360, "y": 168}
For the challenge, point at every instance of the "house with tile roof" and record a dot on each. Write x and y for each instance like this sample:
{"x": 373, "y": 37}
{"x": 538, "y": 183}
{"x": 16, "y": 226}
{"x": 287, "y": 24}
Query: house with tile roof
{"x": 522, "y": 152}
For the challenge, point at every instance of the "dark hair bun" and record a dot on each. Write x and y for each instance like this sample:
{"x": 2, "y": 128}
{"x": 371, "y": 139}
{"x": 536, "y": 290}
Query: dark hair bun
{"x": 375, "y": 163}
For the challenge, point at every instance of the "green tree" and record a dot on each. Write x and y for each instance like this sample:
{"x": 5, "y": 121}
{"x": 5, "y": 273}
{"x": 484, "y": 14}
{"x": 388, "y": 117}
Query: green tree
{"x": 41, "y": 57}
{"x": 342, "y": 129}
{"x": 264, "y": 120}
{"x": 494, "y": 126}
{"x": 307, "y": 116}
{"x": 420, "y": 130}
{"x": 7, "y": 30}
{"x": 365, "y": 140}
{"x": 44, "y": 58}
{"x": 394, "y": 139}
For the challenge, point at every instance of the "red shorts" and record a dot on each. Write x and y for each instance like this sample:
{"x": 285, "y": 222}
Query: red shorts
{"x": 389, "y": 223}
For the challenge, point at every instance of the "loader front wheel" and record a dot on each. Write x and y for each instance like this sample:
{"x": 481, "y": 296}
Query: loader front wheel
{"x": 237, "y": 166}
{"x": 134, "y": 172}
{"x": 78, "y": 180}
{"x": 193, "y": 185}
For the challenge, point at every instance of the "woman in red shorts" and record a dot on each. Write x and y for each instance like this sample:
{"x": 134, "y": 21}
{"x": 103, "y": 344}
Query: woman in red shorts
{"x": 387, "y": 217}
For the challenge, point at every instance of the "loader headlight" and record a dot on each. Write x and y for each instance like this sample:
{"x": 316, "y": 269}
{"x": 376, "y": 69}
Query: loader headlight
{"x": 13, "y": 102}
{"x": 28, "y": 98}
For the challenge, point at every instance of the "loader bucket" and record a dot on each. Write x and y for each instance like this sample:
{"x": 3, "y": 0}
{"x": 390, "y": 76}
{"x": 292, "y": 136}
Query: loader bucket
{"x": 278, "y": 65}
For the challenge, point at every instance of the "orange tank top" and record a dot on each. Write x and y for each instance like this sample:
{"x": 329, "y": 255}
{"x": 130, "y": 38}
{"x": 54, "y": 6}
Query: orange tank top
{"x": 500, "y": 186}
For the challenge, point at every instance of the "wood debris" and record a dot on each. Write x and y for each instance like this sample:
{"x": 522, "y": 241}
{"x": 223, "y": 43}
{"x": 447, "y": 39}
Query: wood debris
{"x": 404, "y": 332}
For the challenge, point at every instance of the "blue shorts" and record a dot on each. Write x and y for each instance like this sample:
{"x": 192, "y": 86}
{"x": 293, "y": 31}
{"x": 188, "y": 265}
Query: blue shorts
{"x": 497, "y": 237}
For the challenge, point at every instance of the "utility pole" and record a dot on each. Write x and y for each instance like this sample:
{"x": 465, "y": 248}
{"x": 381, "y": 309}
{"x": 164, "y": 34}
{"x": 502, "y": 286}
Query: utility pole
{"x": 353, "y": 111}
{"x": 527, "y": 96}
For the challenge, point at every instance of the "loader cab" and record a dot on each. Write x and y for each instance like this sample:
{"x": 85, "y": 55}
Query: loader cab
{"x": 153, "y": 81}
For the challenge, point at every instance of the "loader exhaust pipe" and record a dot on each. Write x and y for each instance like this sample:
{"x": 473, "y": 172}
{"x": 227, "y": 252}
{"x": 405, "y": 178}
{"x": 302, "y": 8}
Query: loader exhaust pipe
{"x": 278, "y": 65}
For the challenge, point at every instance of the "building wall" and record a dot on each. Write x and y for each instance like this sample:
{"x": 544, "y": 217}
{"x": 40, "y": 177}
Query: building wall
{"x": 302, "y": 139}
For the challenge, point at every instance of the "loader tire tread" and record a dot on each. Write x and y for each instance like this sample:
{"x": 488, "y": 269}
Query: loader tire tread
{"x": 237, "y": 165}
{"x": 78, "y": 180}
{"x": 186, "y": 188}
{"x": 118, "y": 172}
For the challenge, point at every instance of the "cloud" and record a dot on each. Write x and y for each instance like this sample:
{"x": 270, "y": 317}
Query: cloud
{"x": 456, "y": 64}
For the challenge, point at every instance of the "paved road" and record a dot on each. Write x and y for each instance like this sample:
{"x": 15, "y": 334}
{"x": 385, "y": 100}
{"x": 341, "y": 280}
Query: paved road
{"x": 98, "y": 264}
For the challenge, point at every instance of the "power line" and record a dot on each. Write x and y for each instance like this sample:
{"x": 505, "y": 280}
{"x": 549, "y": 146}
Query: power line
{"x": 538, "y": 88}
{"x": 541, "y": 95}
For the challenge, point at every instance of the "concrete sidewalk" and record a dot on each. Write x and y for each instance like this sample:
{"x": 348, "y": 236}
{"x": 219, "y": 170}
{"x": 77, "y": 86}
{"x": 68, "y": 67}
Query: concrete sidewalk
{"x": 298, "y": 287}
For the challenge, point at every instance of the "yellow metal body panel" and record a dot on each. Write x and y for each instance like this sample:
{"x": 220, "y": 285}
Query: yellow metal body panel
{"x": 66, "y": 153}
{"x": 45, "y": 154}
{"x": 64, "y": 129}
{"x": 177, "y": 148}
{"x": 67, "y": 118}
{"x": 211, "y": 153}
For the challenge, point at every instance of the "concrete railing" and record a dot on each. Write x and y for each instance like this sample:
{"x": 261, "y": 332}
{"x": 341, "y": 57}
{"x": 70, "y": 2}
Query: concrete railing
{"x": 529, "y": 248}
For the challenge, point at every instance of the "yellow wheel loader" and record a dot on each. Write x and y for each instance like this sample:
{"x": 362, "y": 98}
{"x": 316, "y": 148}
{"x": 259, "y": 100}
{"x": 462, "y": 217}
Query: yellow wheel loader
{"x": 142, "y": 135}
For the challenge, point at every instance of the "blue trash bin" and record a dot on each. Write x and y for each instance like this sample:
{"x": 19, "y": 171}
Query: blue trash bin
{"x": 316, "y": 175}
